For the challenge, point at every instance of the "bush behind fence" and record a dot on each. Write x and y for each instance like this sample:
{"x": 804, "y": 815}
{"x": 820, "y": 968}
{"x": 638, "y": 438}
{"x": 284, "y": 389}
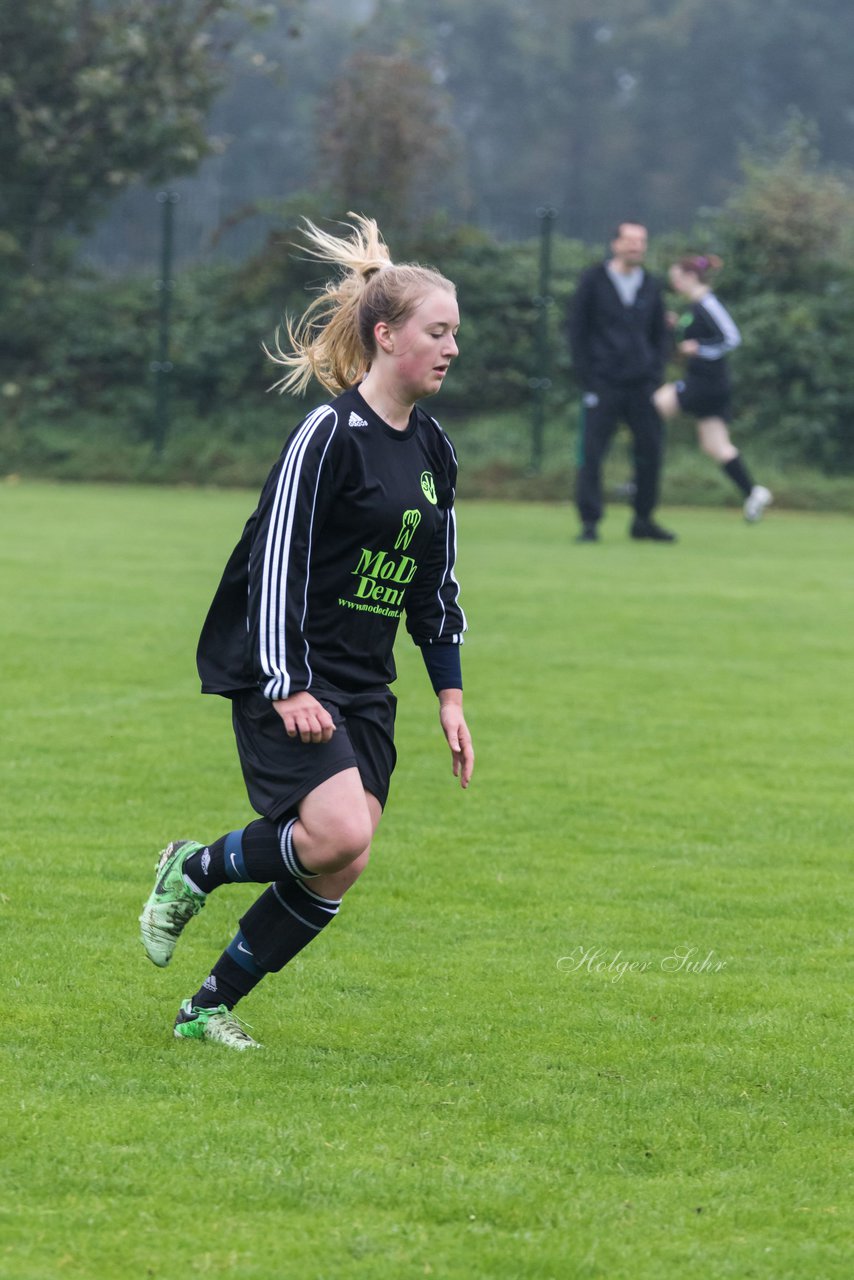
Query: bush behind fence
{"x": 142, "y": 358}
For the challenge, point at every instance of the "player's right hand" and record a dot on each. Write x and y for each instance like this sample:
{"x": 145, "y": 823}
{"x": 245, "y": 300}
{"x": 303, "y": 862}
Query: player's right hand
{"x": 304, "y": 717}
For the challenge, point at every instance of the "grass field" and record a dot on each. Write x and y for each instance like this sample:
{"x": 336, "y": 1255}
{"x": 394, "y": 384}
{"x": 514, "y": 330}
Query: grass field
{"x": 590, "y": 1019}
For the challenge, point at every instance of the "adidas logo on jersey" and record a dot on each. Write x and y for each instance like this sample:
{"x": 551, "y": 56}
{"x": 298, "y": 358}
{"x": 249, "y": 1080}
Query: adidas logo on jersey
{"x": 356, "y": 421}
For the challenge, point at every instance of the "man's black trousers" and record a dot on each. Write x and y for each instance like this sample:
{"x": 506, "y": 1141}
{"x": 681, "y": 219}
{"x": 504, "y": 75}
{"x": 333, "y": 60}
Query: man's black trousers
{"x": 632, "y": 405}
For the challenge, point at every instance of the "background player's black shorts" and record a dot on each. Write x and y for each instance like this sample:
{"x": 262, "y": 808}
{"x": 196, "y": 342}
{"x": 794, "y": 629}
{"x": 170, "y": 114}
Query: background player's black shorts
{"x": 701, "y": 401}
{"x": 279, "y": 771}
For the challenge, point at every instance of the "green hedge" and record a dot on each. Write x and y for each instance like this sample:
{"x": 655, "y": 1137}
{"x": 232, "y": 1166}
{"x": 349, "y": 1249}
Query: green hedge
{"x": 77, "y": 393}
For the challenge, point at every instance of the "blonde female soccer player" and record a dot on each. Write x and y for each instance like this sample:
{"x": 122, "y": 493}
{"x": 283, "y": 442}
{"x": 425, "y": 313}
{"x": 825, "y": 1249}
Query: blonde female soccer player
{"x": 354, "y": 530}
{"x": 705, "y": 336}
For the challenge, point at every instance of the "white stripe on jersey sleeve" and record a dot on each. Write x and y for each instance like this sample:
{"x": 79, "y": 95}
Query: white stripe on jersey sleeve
{"x": 449, "y": 575}
{"x": 730, "y": 336}
{"x": 450, "y": 553}
{"x": 277, "y": 558}
{"x": 271, "y": 574}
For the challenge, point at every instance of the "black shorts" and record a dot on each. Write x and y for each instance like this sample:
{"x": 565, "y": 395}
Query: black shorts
{"x": 279, "y": 771}
{"x": 701, "y": 401}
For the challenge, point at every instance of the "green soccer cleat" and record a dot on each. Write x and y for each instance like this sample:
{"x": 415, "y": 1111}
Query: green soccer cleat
{"x": 171, "y": 903}
{"x": 220, "y": 1025}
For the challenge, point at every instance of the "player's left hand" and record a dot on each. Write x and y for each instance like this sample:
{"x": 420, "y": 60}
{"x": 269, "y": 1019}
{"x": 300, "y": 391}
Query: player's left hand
{"x": 457, "y": 734}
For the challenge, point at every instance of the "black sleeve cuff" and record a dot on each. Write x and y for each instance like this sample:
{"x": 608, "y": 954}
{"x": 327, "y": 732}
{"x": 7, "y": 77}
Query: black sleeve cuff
{"x": 443, "y": 665}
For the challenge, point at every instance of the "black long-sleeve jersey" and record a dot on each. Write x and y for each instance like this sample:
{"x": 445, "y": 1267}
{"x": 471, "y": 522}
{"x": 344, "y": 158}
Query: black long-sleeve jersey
{"x": 354, "y": 527}
{"x": 614, "y": 345}
{"x": 709, "y": 323}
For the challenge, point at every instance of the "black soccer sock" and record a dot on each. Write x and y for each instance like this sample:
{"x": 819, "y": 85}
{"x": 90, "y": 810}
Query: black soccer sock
{"x": 289, "y": 854}
{"x": 255, "y": 853}
{"x": 738, "y": 474}
{"x": 286, "y": 918}
{"x": 205, "y": 869}
{"x": 233, "y": 976}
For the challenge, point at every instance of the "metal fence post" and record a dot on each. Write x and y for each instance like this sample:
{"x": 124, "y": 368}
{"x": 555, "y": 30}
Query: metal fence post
{"x": 541, "y": 383}
{"x": 162, "y": 366}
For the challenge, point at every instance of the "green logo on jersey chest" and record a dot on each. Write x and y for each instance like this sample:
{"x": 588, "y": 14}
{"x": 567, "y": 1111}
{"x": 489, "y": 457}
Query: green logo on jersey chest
{"x": 428, "y": 486}
{"x": 383, "y": 577}
{"x": 682, "y": 323}
{"x": 411, "y": 521}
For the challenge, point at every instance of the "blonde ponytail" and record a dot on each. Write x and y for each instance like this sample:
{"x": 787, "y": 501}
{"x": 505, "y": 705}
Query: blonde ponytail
{"x": 333, "y": 340}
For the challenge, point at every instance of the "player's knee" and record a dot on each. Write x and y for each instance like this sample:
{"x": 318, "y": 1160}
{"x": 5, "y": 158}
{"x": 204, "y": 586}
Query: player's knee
{"x": 336, "y": 883}
{"x": 342, "y": 842}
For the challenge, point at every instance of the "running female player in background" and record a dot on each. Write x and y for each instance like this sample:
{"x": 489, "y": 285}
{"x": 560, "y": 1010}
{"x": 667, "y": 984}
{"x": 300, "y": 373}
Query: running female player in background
{"x": 705, "y": 336}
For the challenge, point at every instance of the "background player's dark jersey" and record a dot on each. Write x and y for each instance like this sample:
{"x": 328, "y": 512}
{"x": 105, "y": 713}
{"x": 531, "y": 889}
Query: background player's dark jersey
{"x": 709, "y": 323}
{"x": 354, "y": 527}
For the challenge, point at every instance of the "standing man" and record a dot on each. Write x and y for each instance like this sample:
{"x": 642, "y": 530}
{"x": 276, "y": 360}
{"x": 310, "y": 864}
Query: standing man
{"x": 620, "y": 341}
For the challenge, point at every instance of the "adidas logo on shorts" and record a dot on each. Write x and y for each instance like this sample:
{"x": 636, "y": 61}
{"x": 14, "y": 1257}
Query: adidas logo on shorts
{"x": 356, "y": 421}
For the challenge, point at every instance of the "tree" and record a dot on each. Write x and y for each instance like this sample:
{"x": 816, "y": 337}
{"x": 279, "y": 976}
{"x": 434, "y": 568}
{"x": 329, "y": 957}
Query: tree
{"x": 788, "y": 224}
{"x": 95, "y": 96}
{"x": 604, "y": 106}
{"x": 521, "y": 80}
{"x": 385, "y": 148}
{"x": 785, "y": 236}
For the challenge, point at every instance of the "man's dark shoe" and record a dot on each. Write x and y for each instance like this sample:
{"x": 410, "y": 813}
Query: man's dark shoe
{"x": 650, "y": 530}
{"x": 589, "y": 533}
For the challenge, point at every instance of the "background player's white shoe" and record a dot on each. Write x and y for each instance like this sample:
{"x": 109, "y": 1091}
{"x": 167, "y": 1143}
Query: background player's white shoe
{"x": 757, "y": 500}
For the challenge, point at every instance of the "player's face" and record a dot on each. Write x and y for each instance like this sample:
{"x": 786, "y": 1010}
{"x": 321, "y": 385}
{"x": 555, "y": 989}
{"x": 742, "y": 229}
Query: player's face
{"x": 630, "y": 245}
{"x": 680, "y": 281}
{"x": 426, "y": 343}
